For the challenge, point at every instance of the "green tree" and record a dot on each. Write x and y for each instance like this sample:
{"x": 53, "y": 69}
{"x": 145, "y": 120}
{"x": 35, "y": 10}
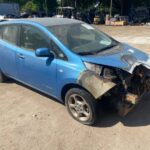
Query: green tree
{"x": 30, "y": 6}
{"x": 51, "y": 5}
{"x": 81, "y": 4}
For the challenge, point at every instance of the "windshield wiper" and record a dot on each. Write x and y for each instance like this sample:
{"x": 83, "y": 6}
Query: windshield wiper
{"x": 85, "y": 53}
{"x": 106, "y": 48}
{"x": 95, "y": 52}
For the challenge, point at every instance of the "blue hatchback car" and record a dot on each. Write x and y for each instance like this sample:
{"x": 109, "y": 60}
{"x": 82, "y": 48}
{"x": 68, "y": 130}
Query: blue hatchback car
{"x": 75, "y": 63}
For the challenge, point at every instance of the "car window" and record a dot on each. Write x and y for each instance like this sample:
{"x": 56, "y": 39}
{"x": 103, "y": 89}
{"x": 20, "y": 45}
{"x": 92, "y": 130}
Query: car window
{"x": 61, "y": 33}
{"x": 10, "y": 33}
{"x": 82, "y": 38}
{"x": 81, "y": 33}
{"x": 59, "y": 54}
{"x": 32, "y": 38}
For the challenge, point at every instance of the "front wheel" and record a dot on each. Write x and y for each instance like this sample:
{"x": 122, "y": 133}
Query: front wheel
{"x": 81, "y": 106}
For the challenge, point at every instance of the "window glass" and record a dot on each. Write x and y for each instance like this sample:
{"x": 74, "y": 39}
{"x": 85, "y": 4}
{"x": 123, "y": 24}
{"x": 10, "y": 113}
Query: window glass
{"x": 82, "y": 38}
{"x": 59, "y": 54}
{"x": 32, "y": 38}
{"x": 10, "y": 34}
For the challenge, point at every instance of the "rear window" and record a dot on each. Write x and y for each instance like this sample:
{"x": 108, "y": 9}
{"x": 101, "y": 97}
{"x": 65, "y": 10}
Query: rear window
{"x": 10, "y": 34}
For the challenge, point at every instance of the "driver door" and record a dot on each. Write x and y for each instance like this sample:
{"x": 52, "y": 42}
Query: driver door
{"x": 38, "y": 72}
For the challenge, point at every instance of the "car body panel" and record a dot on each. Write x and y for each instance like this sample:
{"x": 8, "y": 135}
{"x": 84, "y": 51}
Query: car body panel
{"x": 127, "y": 58}
{"x": 95, "y": 84}
{"x": 8, "y": 58}
{"x": 36, "y": 71}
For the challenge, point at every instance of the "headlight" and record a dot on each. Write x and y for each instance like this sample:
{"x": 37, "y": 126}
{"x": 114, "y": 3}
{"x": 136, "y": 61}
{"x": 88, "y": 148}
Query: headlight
{"x": 93, "y": 67}
{"x": 109, "y": 74}
{"x": 106, "y": 73}
{"x": 128, "y": 58}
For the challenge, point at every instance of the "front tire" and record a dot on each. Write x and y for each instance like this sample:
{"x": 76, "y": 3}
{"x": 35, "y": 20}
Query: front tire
{"x": 81, "y": 106}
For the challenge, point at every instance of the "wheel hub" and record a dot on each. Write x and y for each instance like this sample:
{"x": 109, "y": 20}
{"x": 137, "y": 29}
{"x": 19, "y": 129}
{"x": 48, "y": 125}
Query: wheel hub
{"x": 79, "y": 107}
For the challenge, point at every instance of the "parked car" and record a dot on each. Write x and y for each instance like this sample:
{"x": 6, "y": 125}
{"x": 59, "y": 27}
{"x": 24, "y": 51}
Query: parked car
{"x": 64, "y": 12}
{"x": 75, "y": 63}
{"x": 11, "y": 16}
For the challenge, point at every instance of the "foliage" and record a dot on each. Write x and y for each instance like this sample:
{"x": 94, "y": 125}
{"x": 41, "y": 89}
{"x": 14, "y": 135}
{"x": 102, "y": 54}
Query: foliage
{"x": 34, "y": 5}
{"x": 50, "y": 5}
{"x": 30, "y": 6}
{"x": 81, "y": 4}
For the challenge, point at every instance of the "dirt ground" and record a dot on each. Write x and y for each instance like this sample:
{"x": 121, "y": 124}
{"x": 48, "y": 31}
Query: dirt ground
{"x": 32, "y": 121}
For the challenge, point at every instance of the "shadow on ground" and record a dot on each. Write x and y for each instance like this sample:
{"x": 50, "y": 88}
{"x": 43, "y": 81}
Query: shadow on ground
{"x": 139, "y": 116}
{"x": 9, "y": 81}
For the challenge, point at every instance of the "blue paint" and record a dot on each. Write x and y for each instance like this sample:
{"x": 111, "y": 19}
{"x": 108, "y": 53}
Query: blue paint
{"x": 114, "y": 60}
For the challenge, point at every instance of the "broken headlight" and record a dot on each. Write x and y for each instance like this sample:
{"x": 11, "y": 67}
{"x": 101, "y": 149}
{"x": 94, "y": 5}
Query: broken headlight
{"x": 93, "y": 67}
{"x": 109, "y": 74}
{"x": 106, "y": 73}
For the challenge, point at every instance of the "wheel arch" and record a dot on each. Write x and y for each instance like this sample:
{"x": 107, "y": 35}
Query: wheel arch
{"x": 69, "y": 86}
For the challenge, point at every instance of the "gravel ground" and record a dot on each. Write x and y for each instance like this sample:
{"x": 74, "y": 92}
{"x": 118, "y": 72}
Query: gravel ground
{"x": 30, "y": 120}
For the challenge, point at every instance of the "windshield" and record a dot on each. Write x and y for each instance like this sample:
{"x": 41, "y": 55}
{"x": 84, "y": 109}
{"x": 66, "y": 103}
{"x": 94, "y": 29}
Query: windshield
{"x": 82, "y": 38}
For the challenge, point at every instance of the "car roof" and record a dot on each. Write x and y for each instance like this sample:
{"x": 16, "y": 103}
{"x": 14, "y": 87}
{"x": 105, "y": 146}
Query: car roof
{"x": 47, "y": 21}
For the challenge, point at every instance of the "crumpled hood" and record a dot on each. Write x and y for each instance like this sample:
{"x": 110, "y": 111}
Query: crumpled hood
{"x": 126, "y": 58}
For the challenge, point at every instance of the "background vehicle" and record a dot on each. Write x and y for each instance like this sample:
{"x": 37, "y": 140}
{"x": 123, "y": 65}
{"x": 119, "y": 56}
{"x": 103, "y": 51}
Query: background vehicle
{"x": 64, "y": 12}
{"x": 10, "y": 10}
{"x": 75, "y": 63}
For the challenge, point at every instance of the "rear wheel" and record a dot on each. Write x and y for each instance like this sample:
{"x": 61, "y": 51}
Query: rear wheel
{"x": 81, "y": 106}
{"x": 3, "y": 78}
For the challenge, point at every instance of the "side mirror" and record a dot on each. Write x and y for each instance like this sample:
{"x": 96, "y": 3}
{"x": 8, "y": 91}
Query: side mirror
{"x": 44, "y": 52}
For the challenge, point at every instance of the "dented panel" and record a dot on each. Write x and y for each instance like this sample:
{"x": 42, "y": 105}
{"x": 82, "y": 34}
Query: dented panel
{"x": 126, "y": 58}
{"x": 133, "y": 62}
{"x": 96, "y": 85}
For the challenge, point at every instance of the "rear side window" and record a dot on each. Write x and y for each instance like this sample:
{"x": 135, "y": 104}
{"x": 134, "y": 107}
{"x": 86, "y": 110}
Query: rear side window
{"x": 10, "y": 34}
{"x": 32, "y": 38}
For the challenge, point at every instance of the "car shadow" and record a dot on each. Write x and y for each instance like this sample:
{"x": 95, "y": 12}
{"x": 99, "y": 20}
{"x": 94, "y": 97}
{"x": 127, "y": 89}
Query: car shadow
{"x": 10, "y": 81}
{"x": 139, "y": 116}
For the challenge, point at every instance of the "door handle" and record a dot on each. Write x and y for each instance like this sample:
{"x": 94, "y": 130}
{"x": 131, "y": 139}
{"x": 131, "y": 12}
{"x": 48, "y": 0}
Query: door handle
{"x": 21, "y": 56}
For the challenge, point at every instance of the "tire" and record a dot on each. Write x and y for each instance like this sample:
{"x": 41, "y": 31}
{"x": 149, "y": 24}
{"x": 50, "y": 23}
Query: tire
{"x": 81, "y": 105}
{"x": 147, "y": 85}
{"x": 3, "y": 78}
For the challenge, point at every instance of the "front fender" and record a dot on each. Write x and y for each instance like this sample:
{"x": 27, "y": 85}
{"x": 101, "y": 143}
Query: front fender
{"x": 93, "y": 83}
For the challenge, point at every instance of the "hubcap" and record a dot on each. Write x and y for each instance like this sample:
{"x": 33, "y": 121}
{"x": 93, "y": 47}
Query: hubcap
{"x": 79, "y": 107}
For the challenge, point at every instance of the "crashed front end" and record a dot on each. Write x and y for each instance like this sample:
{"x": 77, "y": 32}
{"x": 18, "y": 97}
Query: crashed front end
{"x": 129, "y": 89}
{"x": 124, "y": 87}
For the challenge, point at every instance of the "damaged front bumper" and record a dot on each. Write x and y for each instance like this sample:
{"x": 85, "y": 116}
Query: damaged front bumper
{"x": 125, "y": 91}
{"x": 130, "y": 66}
{"x": 96, "y": 85}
